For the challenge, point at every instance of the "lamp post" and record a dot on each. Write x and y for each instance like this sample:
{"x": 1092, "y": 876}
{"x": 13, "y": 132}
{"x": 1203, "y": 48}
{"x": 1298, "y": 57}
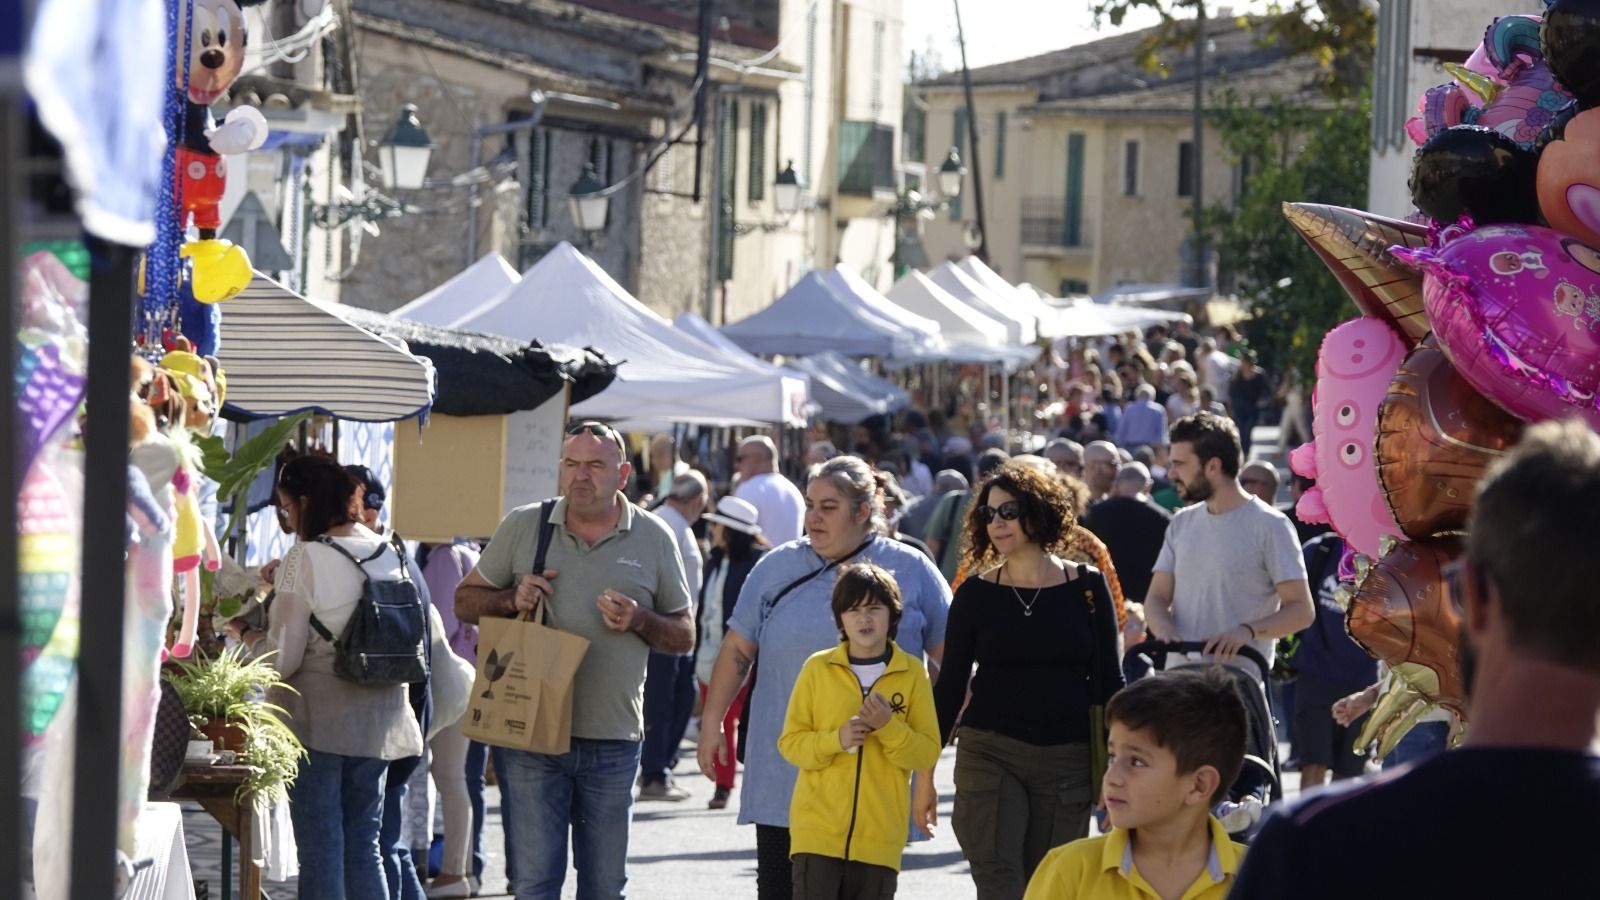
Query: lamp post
{"x": 911, "y": 209}
{"x": 403, "y": 153}
{"x": 951, "y": 172}
{"x": 588, "y": 201}
{"x": 786, "y": 191}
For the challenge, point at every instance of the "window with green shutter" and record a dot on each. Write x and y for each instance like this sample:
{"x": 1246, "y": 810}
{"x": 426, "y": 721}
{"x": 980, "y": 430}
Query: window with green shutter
{"x": 1072, "y": 222}
{"x": 1000, "y": 144}
{"x": 758, "y": 151}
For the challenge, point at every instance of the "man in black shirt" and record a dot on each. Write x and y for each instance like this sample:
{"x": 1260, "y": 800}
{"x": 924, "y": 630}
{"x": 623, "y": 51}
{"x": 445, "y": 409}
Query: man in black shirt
{"x": 1531, "y": 667}
{"x": 1132, "y": 527}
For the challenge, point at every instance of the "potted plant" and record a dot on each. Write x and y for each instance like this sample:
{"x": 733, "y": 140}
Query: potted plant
{"x": 225, "y": 698}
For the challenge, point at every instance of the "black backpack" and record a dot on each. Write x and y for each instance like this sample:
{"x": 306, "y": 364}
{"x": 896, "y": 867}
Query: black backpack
{"x": 385, "y": 641}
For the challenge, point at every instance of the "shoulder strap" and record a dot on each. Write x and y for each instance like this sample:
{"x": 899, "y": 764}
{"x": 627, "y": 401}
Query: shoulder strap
{"x": 784, "y": 591}
{"x": 322, "y": 630}
{"x": 546, "y": 508}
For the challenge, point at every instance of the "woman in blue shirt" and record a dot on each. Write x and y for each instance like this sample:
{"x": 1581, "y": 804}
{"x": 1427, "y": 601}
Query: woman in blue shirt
{"x": 784, "y": 615}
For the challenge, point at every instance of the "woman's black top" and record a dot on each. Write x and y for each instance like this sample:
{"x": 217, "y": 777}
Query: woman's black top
{"x": 1033, "y": 682}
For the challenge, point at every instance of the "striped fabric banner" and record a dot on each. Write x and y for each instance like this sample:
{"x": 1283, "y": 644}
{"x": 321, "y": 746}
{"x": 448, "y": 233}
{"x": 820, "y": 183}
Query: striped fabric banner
{"x": 284, "y": 353}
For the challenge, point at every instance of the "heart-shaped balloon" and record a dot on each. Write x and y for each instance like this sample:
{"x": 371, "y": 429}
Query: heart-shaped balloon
{"x": 1436, "y": 439}
{"x": 1402, "y": 614}
{"x": 1357, "y": 361}
{"x": 1569, "y": 172}
{"x": 1517, "y": 310}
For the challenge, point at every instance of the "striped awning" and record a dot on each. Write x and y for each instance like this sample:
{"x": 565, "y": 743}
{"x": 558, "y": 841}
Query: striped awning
{"x": 284, "y": 353}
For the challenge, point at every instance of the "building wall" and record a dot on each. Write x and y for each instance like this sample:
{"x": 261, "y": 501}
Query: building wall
{"x": 454, "y": 96}
{"x": 944, "y": 234}
{"x": 1406, "y": 26}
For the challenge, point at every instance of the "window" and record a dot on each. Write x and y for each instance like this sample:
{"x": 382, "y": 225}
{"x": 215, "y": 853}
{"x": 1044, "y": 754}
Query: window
{"x": 758, "y": 152}
{"x": 533, "y": 171}
{"x": 663, "y": 170}
{"x": 1000, "y": 144}
{"x": 958, "y": 140}
{"x": 878, "y": 29}
{"x": 1070, "y": 286}
{"x": 1130, "y": 169}
{"x": 1186, "y": 169}
{"x": 1072, "y": 223}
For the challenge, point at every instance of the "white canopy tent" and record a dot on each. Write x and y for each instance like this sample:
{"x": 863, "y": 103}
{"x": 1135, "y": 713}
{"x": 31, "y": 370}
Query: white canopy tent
{"x": 959, "y": 322}
{"x": 697, "y": 326}
{"x": 1085, "y": 318}
{"x": 814, "y": 316}
{"x": 845, "y": 392}
{"x": 1021, "y": 328}
{"x": 664, "y": 374}
{"x": 467, "y": 290}
{"x": 1024, "y": 300}
{"x": 921, "y": 330}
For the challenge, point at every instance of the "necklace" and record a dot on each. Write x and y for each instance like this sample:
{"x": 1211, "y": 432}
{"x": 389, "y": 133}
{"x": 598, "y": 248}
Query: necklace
{"x": 1027, "y": 605}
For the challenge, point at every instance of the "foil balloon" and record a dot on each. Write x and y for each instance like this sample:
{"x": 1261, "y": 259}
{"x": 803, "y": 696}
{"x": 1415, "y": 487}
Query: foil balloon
{"x": 1570, "y": 37}
{"x": 1357, "y": 361}
{"x": 1474, "y": 171}
{"x": 1517, "y": 310}
{"x": 1530, "y": 97}
{"x": 1355, "y": 246}
{"x": 1437, "y": 438}
{"x": 1402, "y": 614}
{"x": 1569, "y": 177}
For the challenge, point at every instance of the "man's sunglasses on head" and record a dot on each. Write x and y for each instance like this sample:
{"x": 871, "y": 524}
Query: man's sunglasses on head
{"x": 598, "y": 429}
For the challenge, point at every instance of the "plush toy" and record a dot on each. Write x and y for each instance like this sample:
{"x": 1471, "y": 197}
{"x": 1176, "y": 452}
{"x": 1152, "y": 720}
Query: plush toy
{"x": 194, "y": 382}
{"x": 216, "y": 41}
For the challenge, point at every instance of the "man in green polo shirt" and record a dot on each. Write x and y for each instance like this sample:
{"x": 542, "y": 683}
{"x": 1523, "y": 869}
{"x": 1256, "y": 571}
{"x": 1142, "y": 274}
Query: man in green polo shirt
{"x": 613, "y": 575}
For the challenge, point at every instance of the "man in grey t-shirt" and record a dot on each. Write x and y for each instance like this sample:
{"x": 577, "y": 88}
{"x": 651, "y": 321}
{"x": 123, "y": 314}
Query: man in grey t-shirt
{"x": 613, "y": 574}
{"x": 1230, "y": 573}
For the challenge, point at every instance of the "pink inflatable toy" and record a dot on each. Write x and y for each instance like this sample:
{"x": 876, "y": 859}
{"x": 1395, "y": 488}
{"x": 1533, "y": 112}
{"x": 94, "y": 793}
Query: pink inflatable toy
{"x": 1357, "y": 361}
{"x": 1517, "y": 310}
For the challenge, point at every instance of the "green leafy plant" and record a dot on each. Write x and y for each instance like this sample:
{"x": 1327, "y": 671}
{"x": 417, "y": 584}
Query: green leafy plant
{"x": 235, "y": 472}
{"x": 230, "y": 688}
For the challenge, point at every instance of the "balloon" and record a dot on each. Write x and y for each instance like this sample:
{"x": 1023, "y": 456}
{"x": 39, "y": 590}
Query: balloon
{"x": 1569, "y": 177}
{"x": 1571, "y": 41}
{"x": 1531, "y": 96}
{"x": 1357, "y": 361}
{"x": 1400, "y": 614}
{"x": 1517, "y": 310}
{"x": 1557, "y": 128}
{"x": 1355, "y": 246}
{"x": 1436, "y": 439}
{"x": 221, "y": 269}
{"x": 1471, "y": 170}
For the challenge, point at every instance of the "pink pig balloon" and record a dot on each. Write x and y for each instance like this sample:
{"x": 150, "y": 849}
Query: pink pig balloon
{"x": 1517, "y": 310}
{"x": 1357, "y": 361}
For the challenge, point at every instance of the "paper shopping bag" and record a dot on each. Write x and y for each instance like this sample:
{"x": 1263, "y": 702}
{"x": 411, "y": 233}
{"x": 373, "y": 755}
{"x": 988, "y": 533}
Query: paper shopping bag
{"x": 522, "y": 694}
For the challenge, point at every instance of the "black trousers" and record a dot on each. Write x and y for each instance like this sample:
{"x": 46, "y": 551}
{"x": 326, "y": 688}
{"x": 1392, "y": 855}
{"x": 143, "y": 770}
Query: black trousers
{"x": 828, "y": 878}
{"x": 774, "y": 874}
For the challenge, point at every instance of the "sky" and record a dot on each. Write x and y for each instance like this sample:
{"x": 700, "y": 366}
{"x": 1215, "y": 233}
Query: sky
{"x": 1001, "y": 30}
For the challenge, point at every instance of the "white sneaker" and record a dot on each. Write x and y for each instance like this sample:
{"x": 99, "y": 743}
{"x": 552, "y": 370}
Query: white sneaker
{"x": 1237, "y": 818}
{"x": 462, "y": 888}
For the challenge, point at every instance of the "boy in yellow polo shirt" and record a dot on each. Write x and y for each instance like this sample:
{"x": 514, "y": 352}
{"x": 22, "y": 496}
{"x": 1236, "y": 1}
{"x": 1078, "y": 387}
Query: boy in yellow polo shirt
{"x": 861, "y": 720}
{"x": 1176, "y": 743}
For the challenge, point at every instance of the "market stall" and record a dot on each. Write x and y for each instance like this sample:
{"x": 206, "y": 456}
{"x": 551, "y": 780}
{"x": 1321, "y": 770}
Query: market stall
{"x": 846, "y": 393}
{"x": 1021, "y": 328}
{"x": 817, "y": 315}
{"x": 462, "y": 293}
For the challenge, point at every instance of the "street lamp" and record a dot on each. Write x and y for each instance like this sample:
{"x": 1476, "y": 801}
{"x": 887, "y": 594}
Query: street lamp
{"x": 786, "y": 191}
{"x": 950, "y": 174}
{"x": 403, "y": 153}
{"x": 588, "y": 200}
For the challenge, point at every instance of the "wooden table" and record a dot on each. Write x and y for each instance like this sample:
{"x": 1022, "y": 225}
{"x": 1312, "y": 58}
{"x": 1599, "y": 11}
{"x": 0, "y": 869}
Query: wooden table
{"x": 216, "y": 789}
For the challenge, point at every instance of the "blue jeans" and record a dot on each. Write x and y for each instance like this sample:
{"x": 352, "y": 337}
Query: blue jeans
{"x": 669, "y": 695}
{"x": 1423, "y": 740}
{"x": 588, "y": 791}
{"x": 398, "y": 869}
{"x": 336, "y": 804}
{"x": 477, "y": 757}
{"x": 497, "y": 758}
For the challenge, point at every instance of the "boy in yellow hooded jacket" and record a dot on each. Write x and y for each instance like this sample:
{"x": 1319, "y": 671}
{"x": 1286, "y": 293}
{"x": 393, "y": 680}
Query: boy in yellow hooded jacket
{"x": 860, "y": 721}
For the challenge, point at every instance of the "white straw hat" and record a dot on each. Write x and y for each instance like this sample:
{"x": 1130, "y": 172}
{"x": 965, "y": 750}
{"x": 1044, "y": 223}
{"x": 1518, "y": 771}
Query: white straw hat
{"x": 734, "y": 513}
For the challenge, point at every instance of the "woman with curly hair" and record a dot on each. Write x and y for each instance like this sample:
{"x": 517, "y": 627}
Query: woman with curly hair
{"x": 1043, "y": 633}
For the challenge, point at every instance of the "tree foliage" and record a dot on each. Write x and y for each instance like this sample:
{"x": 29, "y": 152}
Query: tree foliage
{"x": 1291, "y": 153}
{"x": 1339, "y": 33}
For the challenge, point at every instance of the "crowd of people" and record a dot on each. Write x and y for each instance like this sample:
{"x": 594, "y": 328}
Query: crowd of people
{"x": 834, "y": 630}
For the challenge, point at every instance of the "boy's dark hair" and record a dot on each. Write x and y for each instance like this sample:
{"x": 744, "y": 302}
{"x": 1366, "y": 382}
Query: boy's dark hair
{"x": 862, "y": 584}
{"x": 1196, "y": 714}
{"x": 1213, "y": 437}
{"x": 1532, "y": 536}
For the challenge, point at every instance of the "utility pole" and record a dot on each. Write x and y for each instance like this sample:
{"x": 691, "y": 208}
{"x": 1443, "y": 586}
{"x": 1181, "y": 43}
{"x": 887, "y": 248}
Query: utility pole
{"x": 976, "y": 169}
{"x": 1197, "y": 277}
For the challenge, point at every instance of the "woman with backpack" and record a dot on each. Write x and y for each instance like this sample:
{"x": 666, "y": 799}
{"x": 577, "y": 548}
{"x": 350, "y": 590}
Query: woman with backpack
{"x": 351, "y": 730}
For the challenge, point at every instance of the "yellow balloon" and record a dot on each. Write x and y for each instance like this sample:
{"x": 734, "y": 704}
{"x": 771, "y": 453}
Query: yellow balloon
{"x": 221, "y": 269}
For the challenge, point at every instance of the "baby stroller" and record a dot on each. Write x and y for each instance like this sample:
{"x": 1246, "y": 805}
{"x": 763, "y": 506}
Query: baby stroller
{"x": 1260, "y": 781}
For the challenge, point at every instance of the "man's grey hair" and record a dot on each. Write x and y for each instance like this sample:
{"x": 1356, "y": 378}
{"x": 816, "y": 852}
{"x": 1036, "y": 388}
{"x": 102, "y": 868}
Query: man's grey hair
{"x": 1145, "y": 391}
{"x": 1134, "y": 475}
{"x": 1063, "y": 447}
{"x": 1267, "y": 469}
{"x": 949, "y": 480}
{"x": 825, "y": 448}
{"x": 765, "y": 443}
{"x": 688, "y": 487}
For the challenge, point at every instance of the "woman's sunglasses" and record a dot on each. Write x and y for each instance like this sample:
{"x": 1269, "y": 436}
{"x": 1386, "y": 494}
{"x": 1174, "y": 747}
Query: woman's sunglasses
{"x": 1009, "y": 510}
